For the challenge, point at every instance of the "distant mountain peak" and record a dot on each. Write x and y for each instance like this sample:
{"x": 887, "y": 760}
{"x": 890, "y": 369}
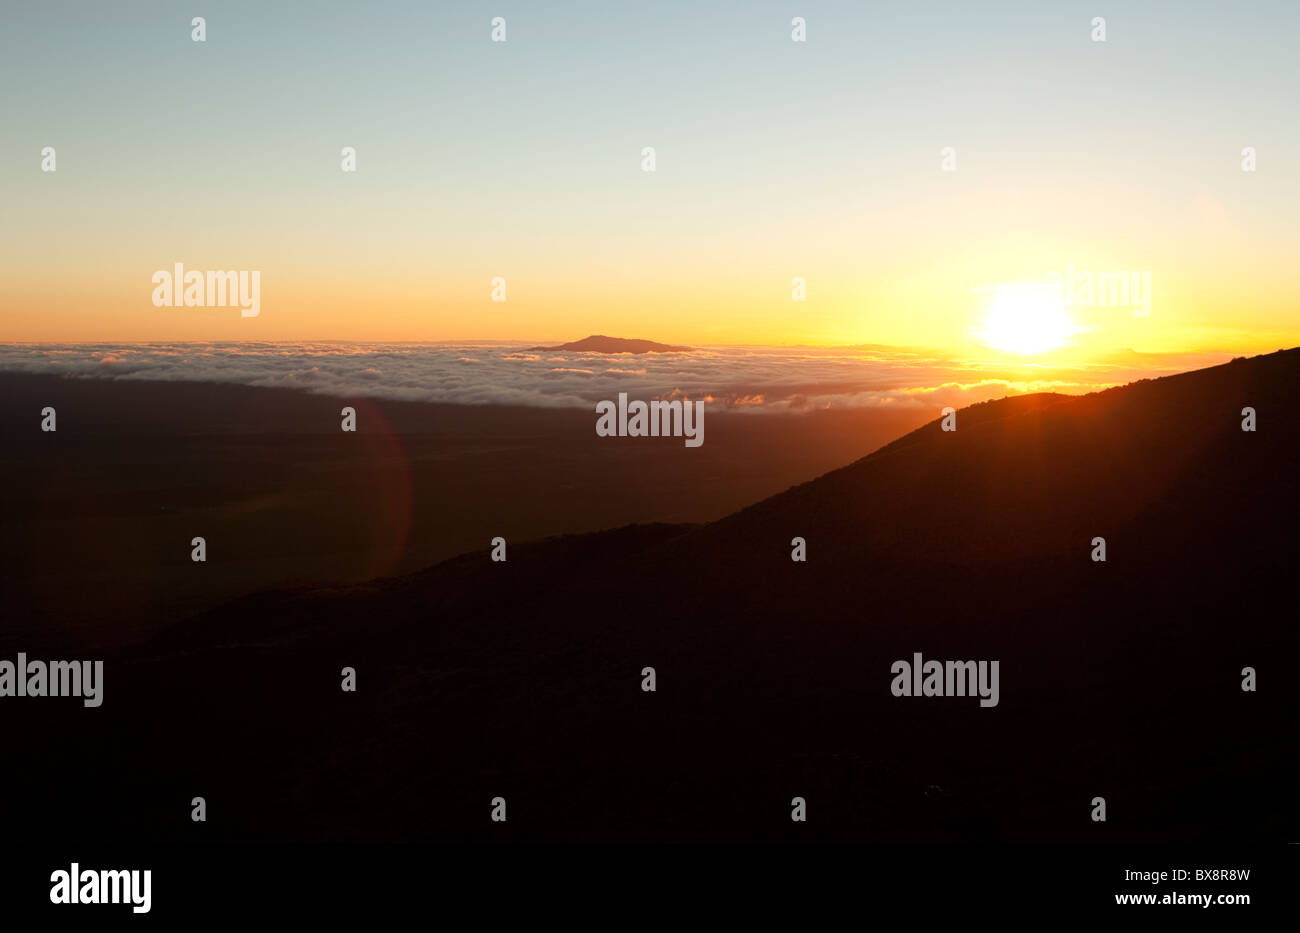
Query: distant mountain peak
{"x": 599, "y": 343}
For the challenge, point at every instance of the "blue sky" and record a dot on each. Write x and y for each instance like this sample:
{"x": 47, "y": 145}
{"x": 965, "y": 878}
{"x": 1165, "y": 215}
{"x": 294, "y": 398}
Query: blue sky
{"x": 478, "y": 157}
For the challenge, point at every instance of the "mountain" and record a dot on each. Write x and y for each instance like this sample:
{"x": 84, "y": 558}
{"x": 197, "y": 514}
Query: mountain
{"x": 1119, "y": 679}
{"x": 598, "y": 343}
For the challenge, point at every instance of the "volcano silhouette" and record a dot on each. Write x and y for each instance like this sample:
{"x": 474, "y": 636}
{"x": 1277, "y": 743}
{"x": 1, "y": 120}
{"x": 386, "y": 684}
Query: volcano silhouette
{"x": 599, "y": 343}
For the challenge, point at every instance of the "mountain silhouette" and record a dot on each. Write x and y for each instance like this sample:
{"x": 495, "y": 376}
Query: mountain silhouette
{"x": 1120, "y": 679}
{"x": 598, "y": 343}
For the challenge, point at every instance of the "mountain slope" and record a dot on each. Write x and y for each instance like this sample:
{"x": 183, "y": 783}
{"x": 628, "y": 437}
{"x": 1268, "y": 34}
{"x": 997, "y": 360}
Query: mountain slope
{"x": 1033, "y": 476}
{"x": 523, "y": 679}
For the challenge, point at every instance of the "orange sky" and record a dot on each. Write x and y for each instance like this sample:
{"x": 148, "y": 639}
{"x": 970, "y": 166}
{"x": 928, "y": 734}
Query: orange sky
{"x": 774, "y": 160}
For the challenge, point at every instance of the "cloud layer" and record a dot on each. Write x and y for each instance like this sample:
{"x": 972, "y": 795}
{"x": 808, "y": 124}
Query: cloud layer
{"x": 749, "y": 379}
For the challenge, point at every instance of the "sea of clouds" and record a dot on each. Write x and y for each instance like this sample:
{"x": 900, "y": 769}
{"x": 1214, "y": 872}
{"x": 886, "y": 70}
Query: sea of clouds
{"x": 749, "y": 379}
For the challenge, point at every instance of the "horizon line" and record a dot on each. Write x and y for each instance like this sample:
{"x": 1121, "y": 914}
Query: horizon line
{"x": 1029, "y": 360}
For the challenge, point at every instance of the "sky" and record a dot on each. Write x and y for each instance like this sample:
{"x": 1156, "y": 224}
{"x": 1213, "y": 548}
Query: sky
{"x": 774, "y": 159}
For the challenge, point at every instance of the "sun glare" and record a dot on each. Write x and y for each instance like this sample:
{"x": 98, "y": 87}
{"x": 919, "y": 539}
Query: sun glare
{"x": 1026, "y": 319}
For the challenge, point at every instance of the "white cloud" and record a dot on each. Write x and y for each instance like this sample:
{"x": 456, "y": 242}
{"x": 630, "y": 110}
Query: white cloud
{"x": 751, "y": 379}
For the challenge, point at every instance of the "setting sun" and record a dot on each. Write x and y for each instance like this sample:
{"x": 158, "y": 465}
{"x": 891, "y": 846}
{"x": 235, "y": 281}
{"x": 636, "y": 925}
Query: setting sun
{"x": 1026, "y": 318}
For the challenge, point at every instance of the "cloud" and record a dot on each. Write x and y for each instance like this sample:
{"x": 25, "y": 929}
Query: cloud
{"x": 750, "y": 379}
